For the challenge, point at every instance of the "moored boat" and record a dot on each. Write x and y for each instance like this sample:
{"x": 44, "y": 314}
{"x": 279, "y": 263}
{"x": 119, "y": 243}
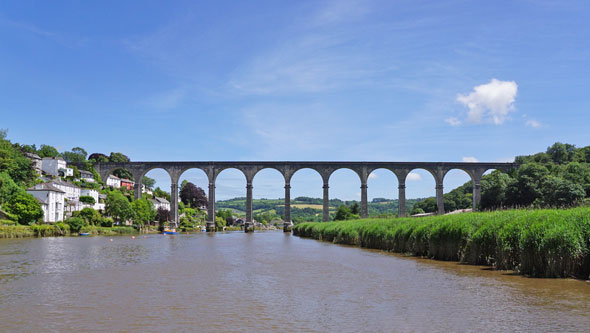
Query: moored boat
{"x": 170, "y": 231}
{"x": 83, "y": 234}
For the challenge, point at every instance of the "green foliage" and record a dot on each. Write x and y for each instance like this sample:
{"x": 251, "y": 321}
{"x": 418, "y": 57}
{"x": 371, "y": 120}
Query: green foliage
{"x": 106, "y": 222}
{"x": 219, "y": 223}
{"x": 8, "y": 188}
{"x": 90, "y": 215}
{"x": 47, "y": 151}
{"x": 345, "y": 213}
{"x": 25, "y": 207}
{"x": 77, "y": 154}
{"x": 144, "y": 211}
{"x": 15, "y": 164}
{"x": 543, "y": 243}
{"x": 158, "y": 192}
{"x": 50, "y": 230}
{"x": 76, "y": 223}
{"x": 118, "y": 158}
{"x": 118, "y": 207}
{"x": 87, "y": 199}
{"x": 148, "y": 182}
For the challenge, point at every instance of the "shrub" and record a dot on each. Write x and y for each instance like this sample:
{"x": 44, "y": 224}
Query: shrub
{"x": 76, "y": 223}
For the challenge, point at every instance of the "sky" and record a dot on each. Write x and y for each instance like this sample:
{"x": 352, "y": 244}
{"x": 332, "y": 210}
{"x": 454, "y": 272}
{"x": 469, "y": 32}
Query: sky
{"x": 298, "y": 80}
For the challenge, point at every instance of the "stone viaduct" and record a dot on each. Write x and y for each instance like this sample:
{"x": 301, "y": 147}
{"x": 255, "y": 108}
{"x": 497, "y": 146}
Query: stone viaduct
{"x": 287, "y": 169}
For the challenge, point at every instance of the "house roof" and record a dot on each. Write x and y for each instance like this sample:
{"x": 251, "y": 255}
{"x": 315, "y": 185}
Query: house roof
{"x": 54, "y": 158}
{"x": 63, "y": 183}
{"x": 31, "y": 155}
{"x": 161, "y": 200}
{"x": 45, "y": 187}
{"x": 87, "y": 173}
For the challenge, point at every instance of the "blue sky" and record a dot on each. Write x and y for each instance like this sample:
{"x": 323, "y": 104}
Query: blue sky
{"x": 298, "y": 80}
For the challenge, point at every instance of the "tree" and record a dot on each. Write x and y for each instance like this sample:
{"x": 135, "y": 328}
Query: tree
{"x": 343, "y": 213}
{"x": 219, "y": 223}
{"x": 528, "y": 185}
{"x": 8, "y": 188}
{"x": 98, "y": 157}
{"x": 561, "y": 192}
{"x": 493, "y": 190}
{"x": 148, "y": 182}
{"x": 15, "y": 164}
{"x": 144, "y": 211}
{"x": 158, "y": 192}
{"x": 76, "y": 155}
{"x": 25, "y": 207}
{"x": 354, "y": 208}
{"x": 76, "y": 223}
{"x": 47, "y": 151}
{"x": 123, "y": 173}
{"x": 162, "y": 215}
{"x": 117, "y": 206}
{"x": 87, "y": 199}
{"x": 118, "y": 158}
{"x": 90, "y": 215}
{"x": 193, "y": 196}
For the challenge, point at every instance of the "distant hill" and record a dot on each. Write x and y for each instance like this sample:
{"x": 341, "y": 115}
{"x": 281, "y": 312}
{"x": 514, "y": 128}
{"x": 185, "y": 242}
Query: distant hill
{"x": 305, "y": 209}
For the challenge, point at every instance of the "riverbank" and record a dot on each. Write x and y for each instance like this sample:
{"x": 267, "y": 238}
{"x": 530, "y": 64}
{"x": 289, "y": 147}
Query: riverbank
{"x": 62, "y": 229}
{"x": 539, "y": 243}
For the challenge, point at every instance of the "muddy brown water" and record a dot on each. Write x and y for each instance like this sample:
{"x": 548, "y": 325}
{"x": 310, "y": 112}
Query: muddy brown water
{"x": 266, "y": 281}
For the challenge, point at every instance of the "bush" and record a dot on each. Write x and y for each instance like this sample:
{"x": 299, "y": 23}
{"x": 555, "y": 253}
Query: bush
{"x": 106, "y": 222}
{"x": 7, "y": 222}
{"x": 76, "y": 223}
{"x": 87, "y": 199}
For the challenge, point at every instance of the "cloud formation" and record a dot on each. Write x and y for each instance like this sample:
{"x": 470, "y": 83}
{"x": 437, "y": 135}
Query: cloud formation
{"x": 470, "y": 159}
{"x": 490, "y": 102}
{"x": 533, "y": 123}
{"x": 413, "y": 176}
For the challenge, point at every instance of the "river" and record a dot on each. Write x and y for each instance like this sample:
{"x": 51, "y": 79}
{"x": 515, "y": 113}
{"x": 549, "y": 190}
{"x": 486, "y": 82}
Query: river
{"x": 265, "y": 281}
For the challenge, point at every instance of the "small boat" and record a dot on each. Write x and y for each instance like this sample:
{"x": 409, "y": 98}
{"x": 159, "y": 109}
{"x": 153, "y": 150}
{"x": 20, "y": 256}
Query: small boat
{"x": 83, "y": 234}
{"x": 170, "y": 232}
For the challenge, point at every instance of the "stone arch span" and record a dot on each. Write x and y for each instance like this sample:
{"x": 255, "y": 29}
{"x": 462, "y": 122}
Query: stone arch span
{"x": 325, "y": 169}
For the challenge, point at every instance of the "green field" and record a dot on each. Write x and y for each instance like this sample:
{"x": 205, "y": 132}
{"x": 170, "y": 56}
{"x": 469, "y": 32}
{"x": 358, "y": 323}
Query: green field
{"x": 540, "y": 243}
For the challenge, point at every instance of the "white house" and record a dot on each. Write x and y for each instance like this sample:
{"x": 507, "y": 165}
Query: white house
{"x": 51, "y": 199}
{"x": 86, "y": 176}
{"x": 161, "y": 203}
{"x": 53, "y": 165}
{"x": 113, "y": 181}
{"x": 72, "y": 191}
{"x": 93, "y": 193}
{"x": 35, "y": 162}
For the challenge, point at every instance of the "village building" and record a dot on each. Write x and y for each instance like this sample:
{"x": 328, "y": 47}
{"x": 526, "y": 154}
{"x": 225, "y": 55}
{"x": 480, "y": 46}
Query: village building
{"x": 87, "y": 176}
{"x": 72, "y": 191}
{"x": 161, "y": 203}
{"x": 56, "y": 166}
{"x": 51, "y": 199}
{"x": 35, "y": 162}
{"x": 128, "y": 184}
{"x": 113, "y": 181}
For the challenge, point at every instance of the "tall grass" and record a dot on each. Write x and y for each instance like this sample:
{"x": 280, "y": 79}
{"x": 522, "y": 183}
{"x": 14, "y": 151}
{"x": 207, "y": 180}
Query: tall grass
{"x": 540, "y": 243}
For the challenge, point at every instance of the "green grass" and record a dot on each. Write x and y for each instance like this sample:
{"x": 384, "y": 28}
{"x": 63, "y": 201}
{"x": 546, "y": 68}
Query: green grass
{"x": 540, "y": 243}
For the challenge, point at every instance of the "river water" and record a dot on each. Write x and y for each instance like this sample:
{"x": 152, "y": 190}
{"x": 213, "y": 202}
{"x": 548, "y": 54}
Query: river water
{"x": 265, "y": 281}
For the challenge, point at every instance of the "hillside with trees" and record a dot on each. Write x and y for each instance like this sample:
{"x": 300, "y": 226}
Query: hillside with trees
{"x": 558, "y": 177}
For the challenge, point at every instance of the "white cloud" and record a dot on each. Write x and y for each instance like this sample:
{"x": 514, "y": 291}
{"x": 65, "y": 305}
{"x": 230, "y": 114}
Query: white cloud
{"x": 533, "y": 123}
{"x": 373, "y": 176}
{"x": 413, "y": 176}
{"x": 470, "y": 159}
{"x": 453, "y": 121}
{"x": 490, "y": 102}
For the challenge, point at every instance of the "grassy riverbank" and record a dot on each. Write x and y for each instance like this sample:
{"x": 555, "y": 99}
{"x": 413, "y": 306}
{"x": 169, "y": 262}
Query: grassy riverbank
{"x": 62, "y": 229}
{"x": 541, "y": 243}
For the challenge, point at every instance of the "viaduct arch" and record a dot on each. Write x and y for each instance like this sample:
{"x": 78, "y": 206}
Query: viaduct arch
{"x": 287, "y": 169}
